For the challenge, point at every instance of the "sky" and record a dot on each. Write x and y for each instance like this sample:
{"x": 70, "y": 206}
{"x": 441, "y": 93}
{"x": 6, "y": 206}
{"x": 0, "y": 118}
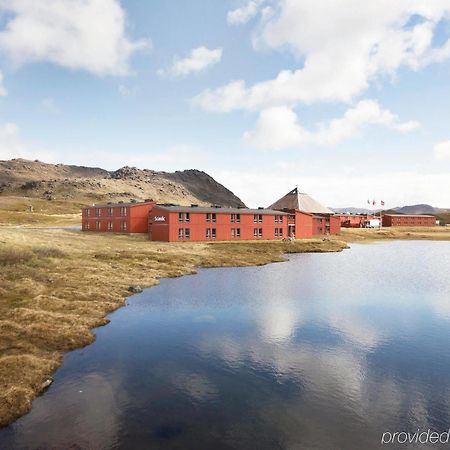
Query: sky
{"x": 348, "y": 100}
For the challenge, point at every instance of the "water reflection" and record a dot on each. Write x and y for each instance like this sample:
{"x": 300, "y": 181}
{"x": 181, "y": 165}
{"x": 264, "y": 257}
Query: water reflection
{"x": 326, "y": 351}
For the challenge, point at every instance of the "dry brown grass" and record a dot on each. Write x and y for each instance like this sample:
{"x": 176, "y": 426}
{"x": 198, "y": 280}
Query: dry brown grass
{"x": 403, "y": 233}
{"x": 58, "y": 284}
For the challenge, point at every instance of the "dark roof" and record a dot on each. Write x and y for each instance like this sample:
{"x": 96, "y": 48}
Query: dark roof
{"x": 115, "y": 205}
{"x": 212, "y": 209}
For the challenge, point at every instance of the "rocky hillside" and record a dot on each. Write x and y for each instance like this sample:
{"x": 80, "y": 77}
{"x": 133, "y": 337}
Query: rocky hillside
{"x": 36, "y": 179}
{"x": 419, "y": 209}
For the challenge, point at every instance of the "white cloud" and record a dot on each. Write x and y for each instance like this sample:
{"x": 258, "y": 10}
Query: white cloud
{"x": 198, "y": 60}
{"x": 13, "y": 146}
{"x": 128, "y": 92}
{"x": 442, "y": 151}
{"x": 49, "y": 104}
{"x": 3, "y": 91}
{"x": 77, "y": 34}
{"x": 342, "y": 46}
{"x": 334, "y": 187}
{"x": 278, "y": 127}
{"x": 242, "y": 15}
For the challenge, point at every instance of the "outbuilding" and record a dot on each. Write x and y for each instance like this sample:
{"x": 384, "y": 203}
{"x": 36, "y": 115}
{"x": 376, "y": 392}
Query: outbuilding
{"x": 408, "y": 220}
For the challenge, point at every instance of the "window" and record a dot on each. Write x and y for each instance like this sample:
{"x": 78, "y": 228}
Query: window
{"x": 97, "y": 212}
{"x": 260, "y": 218}
{"x": 281, "y": 232}
{"x": 255, "y": 218}
{"x": 238, "y": 232}
{"x": 233, "y": 218}
{"x": 123, "y": 226}
{"x": 233, "y": 232}
{"x": 88, "y": 212}
{"x": 259, "y": 232}
{"x": 180, "y": 217}
{"x": 123, "y": 211}
{"x": 187, "y": 233}
{"x": 276, "y": 232}
{"x": 208, "y": 217}
{"x": 208, "y": 233}
{"x": 97, "y": 225}
{"x": 188, "y": 217}
{"x": 213, "y": 218}
{"x": 110, "y": 226}
{"x": 255, "y": 232}
{"x": 238, "y": 218}
{"x": 88, "y": 225}
{"x": 180, "y": 233}
{"x": 213, "y": 232}
{"x": 278, "y": 219}
{"x": 110, "y": 212}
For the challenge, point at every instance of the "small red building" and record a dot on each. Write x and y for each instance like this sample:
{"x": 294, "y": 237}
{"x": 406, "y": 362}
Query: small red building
{"x": 119, "y": 217}
{"x": 411, "y": 220}
{"x": 356, "y": 220}
{"x": 173, "y": 223}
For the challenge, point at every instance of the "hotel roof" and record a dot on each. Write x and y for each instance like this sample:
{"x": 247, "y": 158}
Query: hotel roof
{"x": 300, "y": 201}
{"x": 218, "y": 209}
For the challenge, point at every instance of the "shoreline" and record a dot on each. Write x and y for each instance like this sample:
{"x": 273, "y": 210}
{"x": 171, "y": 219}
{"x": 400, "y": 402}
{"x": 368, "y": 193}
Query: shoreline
{"x": 60, "y": 284}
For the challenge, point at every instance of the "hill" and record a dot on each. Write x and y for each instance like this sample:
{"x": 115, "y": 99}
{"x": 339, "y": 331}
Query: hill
{"x": 419, "y": 209}
{"x": 35, "y": 179}
{"x": 352, "y": 210}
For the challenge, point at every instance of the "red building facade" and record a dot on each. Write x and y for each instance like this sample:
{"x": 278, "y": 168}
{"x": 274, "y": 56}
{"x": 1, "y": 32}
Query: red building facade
{"x": 117, "y": 218}
{"x": 403, "y": 220}
{"x": 172, "y": 223}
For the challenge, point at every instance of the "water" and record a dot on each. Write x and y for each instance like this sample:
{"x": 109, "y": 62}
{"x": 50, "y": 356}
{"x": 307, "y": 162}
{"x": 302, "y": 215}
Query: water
{"x": 327, "y": 351}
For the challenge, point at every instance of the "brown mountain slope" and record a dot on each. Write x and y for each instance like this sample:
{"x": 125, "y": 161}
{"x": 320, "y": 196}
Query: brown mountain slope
{"x": 36, "y": 179}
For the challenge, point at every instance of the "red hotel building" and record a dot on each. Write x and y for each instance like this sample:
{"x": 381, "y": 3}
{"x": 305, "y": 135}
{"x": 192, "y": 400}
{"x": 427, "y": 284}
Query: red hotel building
{"x": 403, "y": 220}
{"x": 173, "y": 223}
{"x": 294, "y": 215}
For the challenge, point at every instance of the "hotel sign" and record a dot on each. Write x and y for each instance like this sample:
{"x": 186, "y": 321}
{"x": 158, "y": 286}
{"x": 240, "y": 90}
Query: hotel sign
{"x": 160, "y": 219}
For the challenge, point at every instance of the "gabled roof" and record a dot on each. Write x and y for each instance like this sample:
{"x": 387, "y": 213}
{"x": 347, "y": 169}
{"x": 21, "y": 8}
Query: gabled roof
{"x": 301, "y": 202}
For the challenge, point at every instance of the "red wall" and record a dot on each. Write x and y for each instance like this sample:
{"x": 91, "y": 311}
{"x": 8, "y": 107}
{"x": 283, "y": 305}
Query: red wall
{"x": 135, "y": 220}
{"x": 335, "y": 225}
{"x": 303, "y": 225}
{"x": 164, "y": 226}
{"x": 408, "y": 221}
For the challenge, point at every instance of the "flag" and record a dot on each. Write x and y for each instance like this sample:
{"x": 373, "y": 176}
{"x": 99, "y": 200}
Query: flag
{"x": 382, "y": 202}
{"x": 368, "y": 202}
{"x": 374, "y": 203}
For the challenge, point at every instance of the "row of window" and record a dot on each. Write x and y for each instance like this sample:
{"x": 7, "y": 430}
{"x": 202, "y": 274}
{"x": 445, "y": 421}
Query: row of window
{"x": 211, "y": 233}
{"x": 98, "y": 226}
{"x": 123, "y": 211}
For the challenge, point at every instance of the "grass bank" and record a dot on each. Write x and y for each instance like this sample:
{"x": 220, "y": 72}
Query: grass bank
{"x": 399, "y": 233}
{"x": 58, "y": 284}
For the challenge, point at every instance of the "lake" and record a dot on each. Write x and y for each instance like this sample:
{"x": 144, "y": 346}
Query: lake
{"x": 326, "y": 351}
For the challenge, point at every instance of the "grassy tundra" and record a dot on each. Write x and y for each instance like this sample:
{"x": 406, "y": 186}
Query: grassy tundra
{"x": 57, "y": 284}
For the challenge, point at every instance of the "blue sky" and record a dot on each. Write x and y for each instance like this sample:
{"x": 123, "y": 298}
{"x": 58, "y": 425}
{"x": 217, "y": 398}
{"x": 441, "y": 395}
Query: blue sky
{"x": 348, "y": 101}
